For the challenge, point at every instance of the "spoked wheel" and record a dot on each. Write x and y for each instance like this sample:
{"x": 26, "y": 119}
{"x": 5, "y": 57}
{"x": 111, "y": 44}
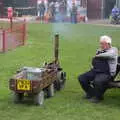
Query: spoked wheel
{"x": 18, "y": 97}
{"x": 50, "y": 91}
{"x": 39, "y": 98}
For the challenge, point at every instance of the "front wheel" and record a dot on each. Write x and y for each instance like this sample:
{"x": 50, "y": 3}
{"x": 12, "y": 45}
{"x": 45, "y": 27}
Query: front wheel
{"x": 18, "y": 97}
{"x": 39, "y": 98}
{"x": 50, "y": 91}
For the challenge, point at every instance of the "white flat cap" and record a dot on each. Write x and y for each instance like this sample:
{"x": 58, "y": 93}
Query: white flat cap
{"x": 106, "y": 39}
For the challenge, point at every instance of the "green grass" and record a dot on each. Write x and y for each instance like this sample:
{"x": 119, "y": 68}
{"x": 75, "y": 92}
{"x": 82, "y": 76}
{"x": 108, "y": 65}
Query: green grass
{"x": 78, "y": 44}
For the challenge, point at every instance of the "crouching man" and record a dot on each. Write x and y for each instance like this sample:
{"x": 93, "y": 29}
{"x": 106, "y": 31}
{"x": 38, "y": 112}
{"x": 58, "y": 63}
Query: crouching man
{"x": 95, "y": 82}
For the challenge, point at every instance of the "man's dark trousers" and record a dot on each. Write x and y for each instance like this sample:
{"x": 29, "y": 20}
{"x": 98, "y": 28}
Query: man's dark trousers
{"x": 99, "y": 83}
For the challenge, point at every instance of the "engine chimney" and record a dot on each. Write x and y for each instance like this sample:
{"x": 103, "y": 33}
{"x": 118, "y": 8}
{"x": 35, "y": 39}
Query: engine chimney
{"x": 56, "y": 47}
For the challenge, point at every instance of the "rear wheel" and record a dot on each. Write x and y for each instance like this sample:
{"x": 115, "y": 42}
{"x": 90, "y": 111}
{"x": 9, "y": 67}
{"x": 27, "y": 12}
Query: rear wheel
{"x": 18, "y": 97}
{"x": 39, "y": 98}
{"x": 50, "y": 91}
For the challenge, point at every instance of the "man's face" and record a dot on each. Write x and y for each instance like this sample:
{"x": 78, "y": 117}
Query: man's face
{"x": 104, "y": 45}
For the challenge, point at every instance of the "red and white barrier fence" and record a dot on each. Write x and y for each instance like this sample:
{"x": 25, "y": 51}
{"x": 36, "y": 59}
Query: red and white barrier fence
{"x": 12, "y": 38}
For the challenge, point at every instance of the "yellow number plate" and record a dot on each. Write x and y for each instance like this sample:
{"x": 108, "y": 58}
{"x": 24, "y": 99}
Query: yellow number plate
{"x": 23, "y": 85}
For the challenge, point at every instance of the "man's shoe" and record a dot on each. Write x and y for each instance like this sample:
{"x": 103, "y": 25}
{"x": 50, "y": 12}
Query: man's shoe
{"x": 96, "y": 100}
{"x": 87, "y": 97}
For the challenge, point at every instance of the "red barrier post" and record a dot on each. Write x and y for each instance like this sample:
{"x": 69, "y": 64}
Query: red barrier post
{"x": 24, "y": 31}
{"x": 4, "y": 40}
{"x": 11, "y": 24}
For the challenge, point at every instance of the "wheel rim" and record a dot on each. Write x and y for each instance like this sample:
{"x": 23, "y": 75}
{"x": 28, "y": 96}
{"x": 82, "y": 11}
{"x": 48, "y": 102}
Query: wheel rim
{"x": 41, "y": 98}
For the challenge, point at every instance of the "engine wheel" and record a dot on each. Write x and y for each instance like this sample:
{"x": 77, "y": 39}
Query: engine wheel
{"x": 18, "y": 97}
{"x": 50, "y": 91}
{"x": 60, "y": 82}
{"x": 39, "y": 98}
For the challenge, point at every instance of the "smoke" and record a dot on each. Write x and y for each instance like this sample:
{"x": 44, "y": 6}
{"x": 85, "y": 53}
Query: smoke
{"x": 60, "y": 25}
{"x": 60, "y": 28}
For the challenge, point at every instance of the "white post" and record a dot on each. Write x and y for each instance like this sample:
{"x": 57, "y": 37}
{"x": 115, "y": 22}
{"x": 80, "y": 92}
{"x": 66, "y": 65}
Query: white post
{"x": 118, "y": 3}
{"x": 102, "y": 9}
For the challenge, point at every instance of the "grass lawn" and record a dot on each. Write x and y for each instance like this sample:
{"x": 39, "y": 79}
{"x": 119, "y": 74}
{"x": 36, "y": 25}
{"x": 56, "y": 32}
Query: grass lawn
{"x": 78, "y": 44}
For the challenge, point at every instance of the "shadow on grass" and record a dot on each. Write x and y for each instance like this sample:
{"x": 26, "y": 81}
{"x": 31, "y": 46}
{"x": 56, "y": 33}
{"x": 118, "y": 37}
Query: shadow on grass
{"x": 112, "y": 100}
